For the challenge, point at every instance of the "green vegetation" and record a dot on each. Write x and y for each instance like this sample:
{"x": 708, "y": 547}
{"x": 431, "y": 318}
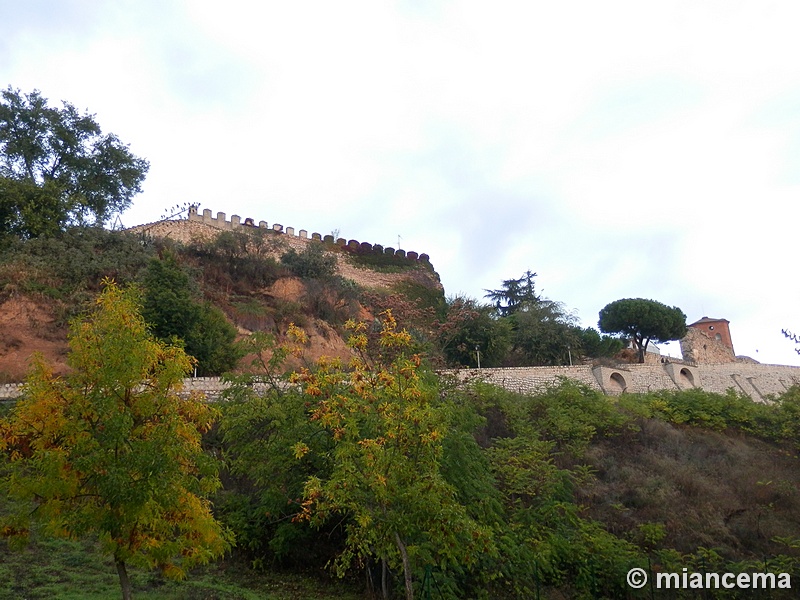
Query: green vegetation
{"x": 473, "y": 328}
{"x": 173, "y": 312}
{"x": 234, "y": 262}
{"x": 78, "y": 570}
{"x": 408, "y": 483}
{"x": 519, "y": 328}
{"x": 312, "y": 262}
{"x": 58, "y": 169}
{"x": 112, "y": 452}
{"x": 383, "y": 262}
{"x": 376, "y": 470}
{"x": 67, "y": 268}
{"x": 560, "y": 492}
{"x": 386, "y": 433}
{"x": 643, "y": 320}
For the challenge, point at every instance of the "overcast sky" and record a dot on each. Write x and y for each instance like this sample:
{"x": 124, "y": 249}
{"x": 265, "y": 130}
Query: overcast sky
{"x": 618, "y": 149}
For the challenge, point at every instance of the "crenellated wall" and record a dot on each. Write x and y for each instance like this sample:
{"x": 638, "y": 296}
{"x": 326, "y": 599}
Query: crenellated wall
{"x": 757, "y": 381}
{"x": 236, "y": 222}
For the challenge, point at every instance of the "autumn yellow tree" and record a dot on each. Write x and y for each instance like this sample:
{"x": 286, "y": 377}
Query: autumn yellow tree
{"x": 387, "y": 426}
{"x": 113, "y": 449}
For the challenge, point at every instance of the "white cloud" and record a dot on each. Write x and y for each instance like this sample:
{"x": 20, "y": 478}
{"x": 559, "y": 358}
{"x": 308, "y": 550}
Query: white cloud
{"x": 620, "y": 149}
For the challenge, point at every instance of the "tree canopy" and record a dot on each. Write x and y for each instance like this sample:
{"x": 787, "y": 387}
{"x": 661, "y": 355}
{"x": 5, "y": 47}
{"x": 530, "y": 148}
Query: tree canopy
{"x": 112, "y": 450}
{"x": 171, "y": 309}
{"x": 363, "y": 444}
{"x": 542, "y": 331}
{"x": 521, "y": 327}
{"x": 642, "y": 321}
{"x": 57, "y": 167}
{"x": 514, "y": 295}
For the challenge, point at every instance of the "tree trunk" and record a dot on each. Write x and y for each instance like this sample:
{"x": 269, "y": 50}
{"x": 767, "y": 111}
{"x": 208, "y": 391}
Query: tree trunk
{"x": 641, "y": 345}
{"x": 371, "y": 591}
{"x": 384, "y": 579}
{"x": 406, "y": 567}
{"x": 124, "y": 582}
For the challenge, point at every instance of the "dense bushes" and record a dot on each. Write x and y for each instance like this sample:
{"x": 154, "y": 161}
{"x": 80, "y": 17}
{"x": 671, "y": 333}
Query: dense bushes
{"x": 69, "y": 266}
{"x": 779, "y": 421}
{"x": 236, "y": 262}
{"x": 552, "y": 480}
{"x": 173, "y": 309}
{"x": 312, "y": 263}
{"x": 520, "y": 328}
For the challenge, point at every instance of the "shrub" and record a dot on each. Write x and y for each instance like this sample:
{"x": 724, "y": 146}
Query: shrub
{"x": 312, "y": 263}
{"x": 172, "y": 310}
{"x": 70, "y": 266}
{"x": 388, "y": 261}
{"x": 237, "y": 261}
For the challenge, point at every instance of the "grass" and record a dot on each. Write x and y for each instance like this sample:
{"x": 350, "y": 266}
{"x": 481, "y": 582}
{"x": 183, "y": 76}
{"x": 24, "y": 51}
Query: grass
{"x": 383, "y": 263}
{"x": 77, "y": 570}
{"x": 729, "y": 491}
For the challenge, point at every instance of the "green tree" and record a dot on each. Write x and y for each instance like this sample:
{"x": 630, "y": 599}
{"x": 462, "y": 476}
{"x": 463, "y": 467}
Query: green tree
{"x": 66, "y": 169}
{"x": 29, "y": 210}
{"x": 172, "y": 312}
{"x": 263, "y": 418}
{"x": 514, "y": 295}
{"x": 543, "y": 331}
{"x": 643, "y": 320}
{"x": 113, "y": 450}
{"x": 470, "y": 328}
{"x": 169, "y": 304}
{"x": 596, "y": 346}
{"x": 387, "y": 429}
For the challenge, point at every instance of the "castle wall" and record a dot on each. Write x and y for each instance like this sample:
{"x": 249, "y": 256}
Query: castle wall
{"x": 754, "y": 380}
{"x": 220, "y": 222}
{"x": 757, "y": 381}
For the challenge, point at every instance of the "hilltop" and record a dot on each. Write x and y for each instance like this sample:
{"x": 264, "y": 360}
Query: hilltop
{"x": 569, "y": 486}
{"x": 237, "y": 268}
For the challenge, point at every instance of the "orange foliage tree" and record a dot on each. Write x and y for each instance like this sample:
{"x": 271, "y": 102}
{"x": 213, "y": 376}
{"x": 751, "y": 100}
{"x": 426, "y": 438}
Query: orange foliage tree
{"x": 113, "y": 450}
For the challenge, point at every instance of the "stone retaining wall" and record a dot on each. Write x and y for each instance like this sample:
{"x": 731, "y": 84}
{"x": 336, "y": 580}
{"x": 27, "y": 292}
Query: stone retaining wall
{"x": 757, "y": 381}
{"x": 754, "y": 380}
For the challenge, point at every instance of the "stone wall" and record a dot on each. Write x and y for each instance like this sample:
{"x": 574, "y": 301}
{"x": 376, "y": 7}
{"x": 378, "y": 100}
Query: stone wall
{"x": 236, "y": 222}
{"x": 757, "y": 381}
{"x": 699, "y": 348}
{"x": 9, "y": 391}
{"x": 754, "y": 380}
{"x": 194, "y": 229}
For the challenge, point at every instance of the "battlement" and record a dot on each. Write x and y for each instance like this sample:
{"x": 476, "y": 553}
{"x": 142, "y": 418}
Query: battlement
{"x": 354, "y": 246}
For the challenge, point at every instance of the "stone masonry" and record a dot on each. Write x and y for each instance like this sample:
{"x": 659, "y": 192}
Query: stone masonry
{"x": 757, "y": 381}
{"x": 698, "y": 347}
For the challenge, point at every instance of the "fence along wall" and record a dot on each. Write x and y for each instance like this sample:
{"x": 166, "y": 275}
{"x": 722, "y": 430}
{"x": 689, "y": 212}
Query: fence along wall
{"x": 757, "y": 381}
{"x": 236, "y": 222}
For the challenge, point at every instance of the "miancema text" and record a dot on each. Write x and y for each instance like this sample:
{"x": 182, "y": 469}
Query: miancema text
{"x": 701, "y": 581}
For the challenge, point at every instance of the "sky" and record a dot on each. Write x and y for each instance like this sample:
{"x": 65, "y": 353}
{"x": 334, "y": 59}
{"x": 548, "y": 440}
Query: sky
{"x": 619, "y": 149}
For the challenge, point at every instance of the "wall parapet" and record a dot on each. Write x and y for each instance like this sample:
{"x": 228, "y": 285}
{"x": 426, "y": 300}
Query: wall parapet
{"x": 354, "y": 246}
